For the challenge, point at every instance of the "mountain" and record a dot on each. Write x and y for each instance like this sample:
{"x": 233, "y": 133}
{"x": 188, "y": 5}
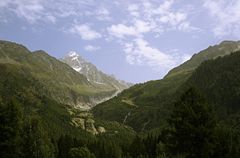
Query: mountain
{"x": 49, "y": 88}
{"x": 212, "y": 52}
{"x": 219, "y": 80}
{"x": 38, "y": 96}
{"x": 148, "y": 105}
{"x": 65, "y": 85}
{"x": 37, "y": 119}
{"x": 94, "y": 75}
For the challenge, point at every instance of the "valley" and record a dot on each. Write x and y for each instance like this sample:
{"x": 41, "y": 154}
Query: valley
{"x": 70, "y": 103}
{"x": 119, "y": 79}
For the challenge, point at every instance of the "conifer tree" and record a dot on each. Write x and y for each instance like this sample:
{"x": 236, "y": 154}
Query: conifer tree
{"x": 81, "y": 152}
{"x": 192, "y": 126}
{"x": 10, "y": 127}
{"x": 36, "y": 143}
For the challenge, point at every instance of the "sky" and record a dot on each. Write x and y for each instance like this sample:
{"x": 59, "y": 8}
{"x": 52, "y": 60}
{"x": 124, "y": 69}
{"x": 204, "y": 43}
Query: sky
{"x": 135, "y": 40}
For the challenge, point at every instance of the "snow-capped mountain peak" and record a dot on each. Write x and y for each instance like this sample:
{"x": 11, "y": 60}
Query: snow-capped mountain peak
{"x": 89, "y": 70}
{"x": 73, "y": 54}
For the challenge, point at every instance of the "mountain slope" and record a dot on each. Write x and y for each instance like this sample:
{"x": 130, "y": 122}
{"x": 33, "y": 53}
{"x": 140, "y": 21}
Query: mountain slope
{"x": 146, "y": 106}
{"x": 64, "y": 84}
{"x": 17, "y": 84}
{"x": 50, "y": 89}
{"x": 219, "y": 80}
{"x": 212, "y": 52}
{"x": 93, "y": 75}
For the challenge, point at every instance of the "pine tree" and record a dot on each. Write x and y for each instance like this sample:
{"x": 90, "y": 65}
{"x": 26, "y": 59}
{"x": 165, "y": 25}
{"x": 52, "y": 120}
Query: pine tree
{"x": 81, "y": 152}
{"x": 192, "y": 126}
{"x": 10, "y": 127}
{"x": 36, "y": 143}
{"x": 65, "y": 143}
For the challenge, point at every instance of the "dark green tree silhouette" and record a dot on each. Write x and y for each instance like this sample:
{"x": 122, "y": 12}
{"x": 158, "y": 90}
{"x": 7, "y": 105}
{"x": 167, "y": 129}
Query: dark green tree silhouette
{"x": 192, "y": 125}
{"x": 81, "y": 152}
{"x": 36, "y": 143}
{"x": 10, "y": 128}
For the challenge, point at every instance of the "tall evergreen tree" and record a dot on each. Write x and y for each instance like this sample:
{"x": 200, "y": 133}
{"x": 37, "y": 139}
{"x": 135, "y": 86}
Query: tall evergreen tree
{"x": 10, "y": 127}
{"x": 81, "y": 152}
{"x": 36, "y": 143}
{"x": 192, "y": 126}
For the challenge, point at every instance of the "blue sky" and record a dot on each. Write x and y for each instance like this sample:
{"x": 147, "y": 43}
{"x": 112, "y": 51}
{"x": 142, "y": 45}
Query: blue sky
{"x": 136, "y": 40}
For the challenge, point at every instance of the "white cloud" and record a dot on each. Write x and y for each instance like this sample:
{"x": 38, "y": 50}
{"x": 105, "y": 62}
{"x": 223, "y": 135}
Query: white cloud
{"x": 173, "y": 18}
{"x": 51, "y": 18}
{"x": 140, "y": 52}
{"x": 31, "y": 11}
{"x": 154, "y": 14}
{"x": 134, "y": 10}
{"x": 85, "y": 32}
{"x": 133, "y": 7}
{"x": 149, "y": 17}
{"x": 186, "y": 27}
{"x": 103, "y": 14}
{"x": 164, "y": 7}
{"x": 167, "y": 16}
{"x": 142, "y": 26}
{"x": 137, "y": 29}
{"x": 226, "y": 16}
{"x": 38, "y": 11}
{"x": 121, "y": 30}
{"x": 91, "y": 48}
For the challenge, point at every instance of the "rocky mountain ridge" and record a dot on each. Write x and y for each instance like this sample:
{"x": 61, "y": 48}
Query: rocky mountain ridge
{"x": 92, "y": 73}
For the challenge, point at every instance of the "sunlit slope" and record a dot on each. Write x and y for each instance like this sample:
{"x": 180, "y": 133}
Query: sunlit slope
{"x": 147, "y": 105}
{"x": 64, "y": 84}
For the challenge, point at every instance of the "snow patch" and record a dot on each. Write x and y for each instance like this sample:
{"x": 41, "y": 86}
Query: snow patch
{"x": 75, "y": 58}
{"x": 77, "y": 69}
{"x": 99, "y": 82}
{"x": 72, "y": 54}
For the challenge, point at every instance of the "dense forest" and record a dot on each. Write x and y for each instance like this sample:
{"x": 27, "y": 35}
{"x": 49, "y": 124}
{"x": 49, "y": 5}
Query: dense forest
{"x": 199, "y": 117}
{"x": 193, "y": 131}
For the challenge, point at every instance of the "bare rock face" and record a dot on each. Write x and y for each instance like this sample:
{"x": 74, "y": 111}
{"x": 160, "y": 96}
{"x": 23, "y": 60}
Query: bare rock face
{"x": 84, "y": 120}
{"x": 90, "y": 126}
{"x": 101, "y": 129}
{"x": 106, "y": 86}
{"x": 79, "y": 122}
{"x": 92, "y": 73}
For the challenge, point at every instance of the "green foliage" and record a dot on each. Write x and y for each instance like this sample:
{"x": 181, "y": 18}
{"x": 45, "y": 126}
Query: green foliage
{"x": 10, "y": 128}
{"x": 99, "y": 146}
{"x": 226, "y": 142}
{"x": 22, "y": 137}
{"x": 212, "y": 52}
{"x": 82, "y": 152}
{"x": 153, "y": 100}
{"x": 192, "y": 124}
{"x": 108, "y": 148}
{"x": 36, "y": 142}
{"x": 45, "y": 119}
{"x": 58, "y": 80}
{"x": 144, "y": 146}
{"x": 219, "y": 80}
{"x": 34, "y": 123}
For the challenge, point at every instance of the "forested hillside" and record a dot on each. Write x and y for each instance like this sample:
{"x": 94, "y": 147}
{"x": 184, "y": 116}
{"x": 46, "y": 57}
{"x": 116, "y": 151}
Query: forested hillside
{"x": 34, "y": 113}
{"x": 64, "y": 84}
{"x": 147, "y": 104}
{"x": 188, "y": 114}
